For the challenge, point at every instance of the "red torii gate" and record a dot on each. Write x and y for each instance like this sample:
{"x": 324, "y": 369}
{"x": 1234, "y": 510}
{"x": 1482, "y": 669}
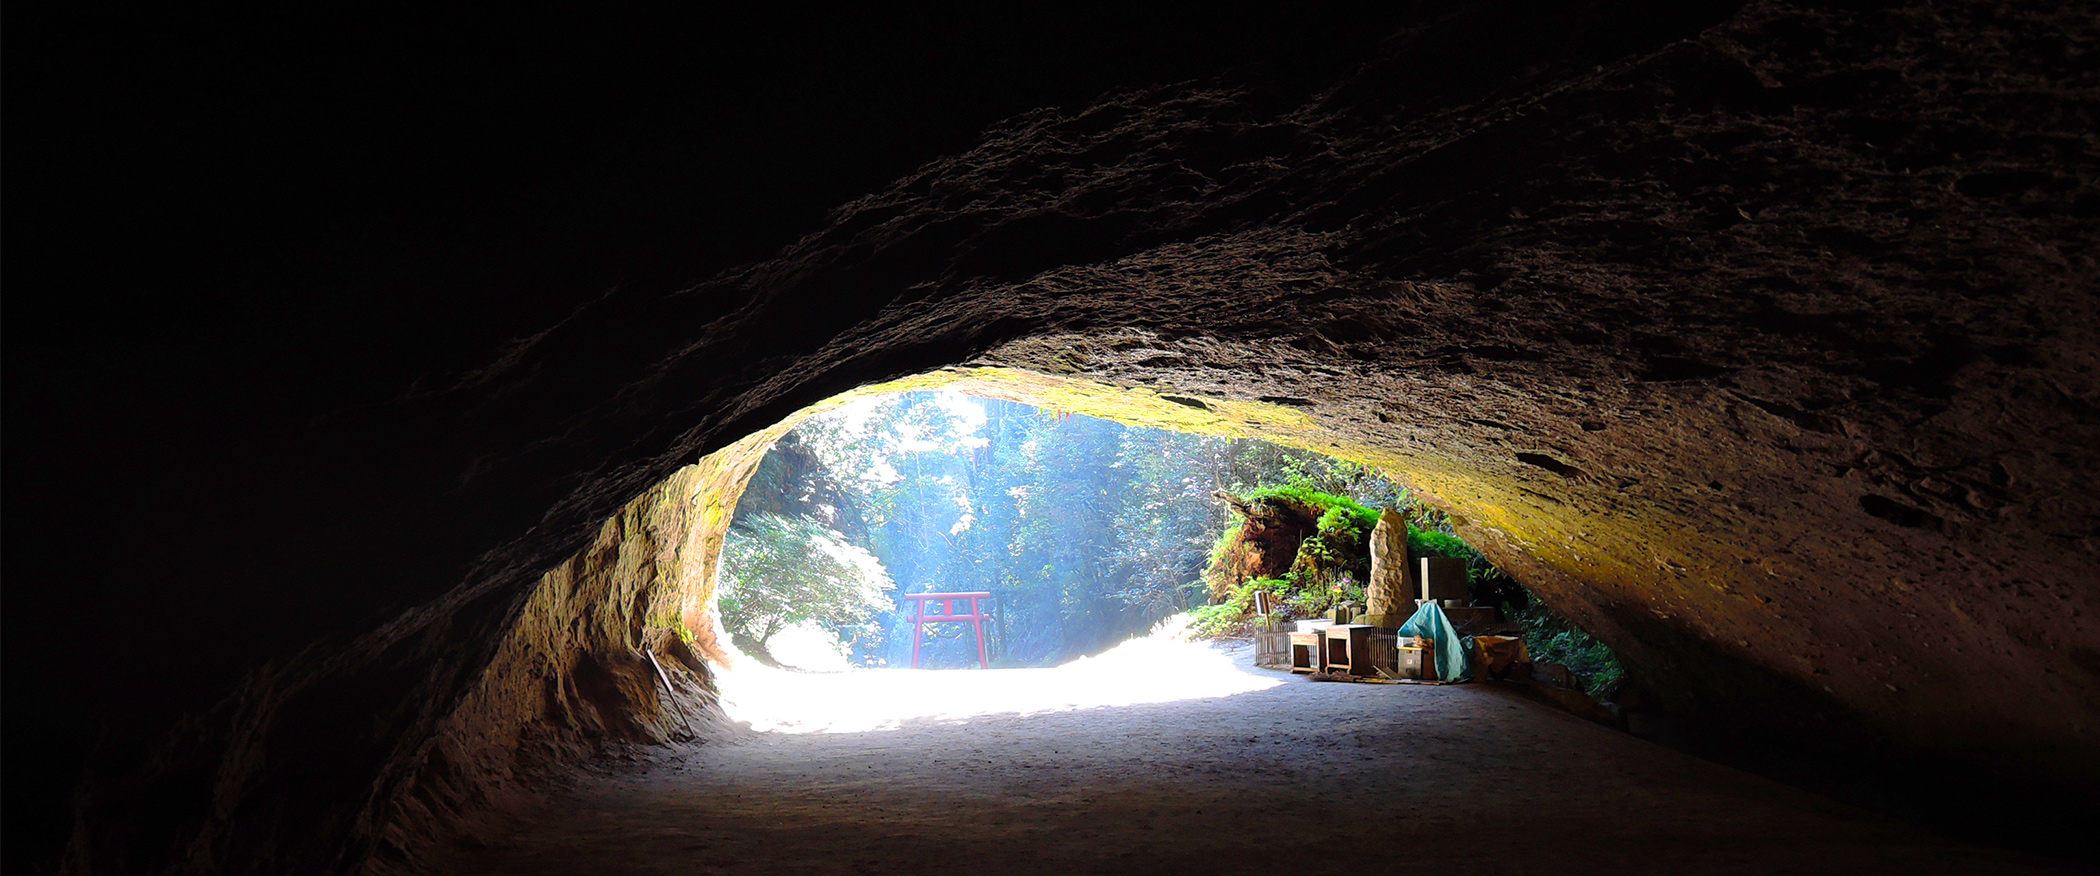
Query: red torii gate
{"x": 920, "y": 618}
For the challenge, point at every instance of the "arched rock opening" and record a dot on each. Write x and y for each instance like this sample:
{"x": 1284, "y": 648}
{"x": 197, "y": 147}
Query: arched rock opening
{"x": 1580, "y": 541}
{"x": 1778, "y": 376}
{"x": 573, "y": 672}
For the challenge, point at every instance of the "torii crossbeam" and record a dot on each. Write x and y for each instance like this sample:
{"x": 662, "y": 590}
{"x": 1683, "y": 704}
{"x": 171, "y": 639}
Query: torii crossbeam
{"x": 947, "y": 614}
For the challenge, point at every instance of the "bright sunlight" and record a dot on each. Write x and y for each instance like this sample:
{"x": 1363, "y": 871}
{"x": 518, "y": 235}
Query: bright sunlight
{"x": 1163, "y": 666}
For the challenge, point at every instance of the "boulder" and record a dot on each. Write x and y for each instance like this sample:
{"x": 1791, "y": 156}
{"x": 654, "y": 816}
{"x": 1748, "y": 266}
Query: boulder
{"x": 1389, "y": 595}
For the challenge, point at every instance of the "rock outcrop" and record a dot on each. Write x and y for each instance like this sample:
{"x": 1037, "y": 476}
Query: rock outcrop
{"x": 1759, "y": 341}
{"x": 1270, "y": 531}
{"x": 1389, "y": 597}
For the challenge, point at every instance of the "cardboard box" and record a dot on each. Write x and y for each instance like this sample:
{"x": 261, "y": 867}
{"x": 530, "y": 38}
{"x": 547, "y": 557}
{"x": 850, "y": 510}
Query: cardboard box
{"x": 1417, "y": 658}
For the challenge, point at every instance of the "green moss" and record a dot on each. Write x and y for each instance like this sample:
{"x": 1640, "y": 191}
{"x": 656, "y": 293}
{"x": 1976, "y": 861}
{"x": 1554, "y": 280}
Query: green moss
{"x": 1331, "y": 565}
{"x": 1431, "y": 543}
{"x": 1359, "y": 516}
{"x": 1344, "y": 523}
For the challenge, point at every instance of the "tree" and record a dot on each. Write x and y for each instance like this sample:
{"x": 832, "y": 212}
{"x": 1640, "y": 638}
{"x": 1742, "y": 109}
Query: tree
{"x": 781, "y": 571}
{"x": 1167, "y": 519}
{"x": 1088, "y": 531}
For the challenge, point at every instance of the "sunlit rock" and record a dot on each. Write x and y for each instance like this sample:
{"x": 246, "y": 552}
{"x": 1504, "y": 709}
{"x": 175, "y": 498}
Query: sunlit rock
{"x": 1389, "y": 597}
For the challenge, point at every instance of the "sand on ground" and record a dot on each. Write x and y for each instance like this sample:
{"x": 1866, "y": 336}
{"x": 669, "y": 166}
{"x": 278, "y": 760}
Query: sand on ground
{"x": 1165, "y": 756}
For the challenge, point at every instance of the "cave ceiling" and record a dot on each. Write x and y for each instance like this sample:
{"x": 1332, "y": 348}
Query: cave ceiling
{"x": 1775, "y": 355}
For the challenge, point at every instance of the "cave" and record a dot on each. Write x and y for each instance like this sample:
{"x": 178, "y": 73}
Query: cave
{"x": 1757, "y": 338}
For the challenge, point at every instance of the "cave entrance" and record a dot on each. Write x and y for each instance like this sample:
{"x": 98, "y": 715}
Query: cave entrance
{"x": 1091, "y": 537}
{"x": 1086, "y": 532}
{"x": 1045, "y": 767}
{"x": 1117, "y": 556}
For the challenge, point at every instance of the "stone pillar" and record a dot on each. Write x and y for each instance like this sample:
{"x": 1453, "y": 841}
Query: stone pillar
{"x": 1389, "y": 596}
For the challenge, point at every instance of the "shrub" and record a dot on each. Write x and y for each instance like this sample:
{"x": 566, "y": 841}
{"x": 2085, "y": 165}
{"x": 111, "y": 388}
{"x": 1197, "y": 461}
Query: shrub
{"x": 1231, "y": 615}
{"x": 778, "y": 571}
{"x": 1210, "y": 621}
{"x": 1552, "y": 639}
{"x": 1431, "y": 543}
{"x": 1363, "y": 518}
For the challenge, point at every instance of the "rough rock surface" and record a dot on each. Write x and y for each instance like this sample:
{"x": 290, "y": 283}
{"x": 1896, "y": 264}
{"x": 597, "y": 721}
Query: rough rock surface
{"x": 1760, "y": 341}
{"x": 576, "y": 671}
{"x": 1389, "y": 595}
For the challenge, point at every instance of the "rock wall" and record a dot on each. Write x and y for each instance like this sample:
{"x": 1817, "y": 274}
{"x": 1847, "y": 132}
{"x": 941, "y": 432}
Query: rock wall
{"x": 571, "y": 679}
{"x": 573, "y": 674}
{"x": 1758, "y": 339}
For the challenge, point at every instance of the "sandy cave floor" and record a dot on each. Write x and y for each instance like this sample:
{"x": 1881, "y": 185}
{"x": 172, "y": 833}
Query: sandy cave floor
{"x": 1170, "y": 757}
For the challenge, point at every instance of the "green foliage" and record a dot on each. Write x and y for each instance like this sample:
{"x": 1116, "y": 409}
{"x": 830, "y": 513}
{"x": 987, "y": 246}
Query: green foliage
{"x": 781, "y": 571}
{"x": 1316, "y": 555}
{"x": 1321, "y": 574}
{"x": 1224, "y": 542}
{"x": 1088, "y": 531}
{"x": 1489, "y": 585}
{"x": 1341, "y": 522}
{"x": 1330, "y": 565}
{"x": 1492, "y": 586}
{"x": 1226, "y": 566}
{"x": 1552, "y": 639}
{"x": 1231, "y": 616}
{"x": 1211, "y": 621}
{"x": 1276, "y": 586}
{"x": 1431, "y": 543}
{"x": 1313, "y": 593}
{"x": 1361, "y": 517}
{"x": 1333, "y": 564}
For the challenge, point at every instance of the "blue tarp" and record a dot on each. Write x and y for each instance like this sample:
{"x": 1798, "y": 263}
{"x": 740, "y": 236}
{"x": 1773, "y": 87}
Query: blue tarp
{"x": 1453, "y": 663}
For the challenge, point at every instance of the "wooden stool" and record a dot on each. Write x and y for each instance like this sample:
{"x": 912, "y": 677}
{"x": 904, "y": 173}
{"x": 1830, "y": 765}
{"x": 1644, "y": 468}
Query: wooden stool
{"x": 1347, "y": 649}
{"x": 1305, "y": 652}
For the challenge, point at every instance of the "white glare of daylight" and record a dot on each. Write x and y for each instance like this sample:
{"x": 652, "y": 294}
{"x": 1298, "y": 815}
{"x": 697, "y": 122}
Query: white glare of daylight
{"x": 969, "y": 416}
{"x": 807, "y": 646}
{"x": 856, "y": 418}
{"x": 855, "y": 556}
{"x": 1161, "y": 667}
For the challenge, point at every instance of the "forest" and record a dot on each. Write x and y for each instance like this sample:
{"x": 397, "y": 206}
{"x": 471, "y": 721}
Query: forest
{"x": 1087, "y": 532}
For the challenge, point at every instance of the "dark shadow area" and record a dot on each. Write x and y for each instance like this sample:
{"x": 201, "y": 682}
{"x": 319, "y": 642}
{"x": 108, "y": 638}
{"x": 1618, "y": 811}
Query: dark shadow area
{"x": 1816, "y": 742}
{"x": 234, "y": 226}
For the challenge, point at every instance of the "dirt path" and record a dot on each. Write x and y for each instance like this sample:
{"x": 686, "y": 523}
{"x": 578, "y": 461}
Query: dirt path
{"x": 1269, "y": 779}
